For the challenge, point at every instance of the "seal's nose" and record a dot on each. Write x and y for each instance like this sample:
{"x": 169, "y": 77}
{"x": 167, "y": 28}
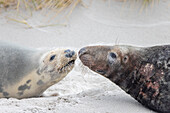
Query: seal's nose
{"x": 69, "y": 53}
{"x": 82, "y": 51}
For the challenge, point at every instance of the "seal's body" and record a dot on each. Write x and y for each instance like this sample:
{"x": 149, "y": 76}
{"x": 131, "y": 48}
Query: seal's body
{"x": 144, "y": 73}
{"x": 28, "y": 72}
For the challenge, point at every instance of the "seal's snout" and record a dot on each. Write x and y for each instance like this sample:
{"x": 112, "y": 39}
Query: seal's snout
{"x": 69, "y": 53}
{"x": 85, "y": 57}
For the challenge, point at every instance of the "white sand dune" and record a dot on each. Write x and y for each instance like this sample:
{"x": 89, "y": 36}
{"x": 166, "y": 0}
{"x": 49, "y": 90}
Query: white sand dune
{"x": 103, "y": 22}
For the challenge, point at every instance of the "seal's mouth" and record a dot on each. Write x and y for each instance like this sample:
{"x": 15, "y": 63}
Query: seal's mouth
{"x": 70, "y": 63}
{"x": 102, "y": 72}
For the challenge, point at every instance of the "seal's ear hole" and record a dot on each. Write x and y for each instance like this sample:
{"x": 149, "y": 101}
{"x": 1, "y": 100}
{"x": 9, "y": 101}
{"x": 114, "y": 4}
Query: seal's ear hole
{"x": 125, "y": 59}
{"x": 52, "y": 57}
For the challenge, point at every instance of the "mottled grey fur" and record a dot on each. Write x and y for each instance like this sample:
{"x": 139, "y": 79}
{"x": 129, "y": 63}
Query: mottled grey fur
{"x": 24, "y": 87}
{"x": 28, "y": 81}
{"x": 5, "y": 94}
{"x": 40, "y": 82}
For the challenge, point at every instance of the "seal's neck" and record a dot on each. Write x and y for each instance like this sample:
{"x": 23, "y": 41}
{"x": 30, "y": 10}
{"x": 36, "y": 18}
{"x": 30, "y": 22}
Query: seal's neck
{"x": 126, "y": 77}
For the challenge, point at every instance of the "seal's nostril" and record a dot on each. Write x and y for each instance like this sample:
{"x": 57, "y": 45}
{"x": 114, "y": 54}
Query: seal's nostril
{"x": 82, "y": 51}
{"x": 67, "y": 51}
{"x": 73, "y": 53}
{"x": 70, "y": 54}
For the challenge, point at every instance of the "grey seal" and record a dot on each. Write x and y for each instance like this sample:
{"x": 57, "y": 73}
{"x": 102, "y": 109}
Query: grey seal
{"x": 28, "y": 72}
{"x": 142, "y": 72}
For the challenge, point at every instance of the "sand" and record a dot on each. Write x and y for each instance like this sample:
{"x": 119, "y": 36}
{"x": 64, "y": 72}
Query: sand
{"x": 102, "y": 22}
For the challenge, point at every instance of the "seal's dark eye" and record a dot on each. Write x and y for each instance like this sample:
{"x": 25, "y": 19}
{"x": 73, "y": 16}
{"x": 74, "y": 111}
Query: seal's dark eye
{"x": 112, "y": 58}
{"x": 52, "y": 57}
{"x": 113, "y": 55}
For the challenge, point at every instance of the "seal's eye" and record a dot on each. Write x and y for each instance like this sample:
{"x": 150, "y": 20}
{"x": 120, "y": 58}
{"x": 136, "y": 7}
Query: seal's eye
{"x": 52, "y": 57}
{"x": 113, "y": 55}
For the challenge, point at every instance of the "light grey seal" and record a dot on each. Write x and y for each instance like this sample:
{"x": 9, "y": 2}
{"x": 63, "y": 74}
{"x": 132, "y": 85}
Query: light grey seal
{"x": 28, "y": 72}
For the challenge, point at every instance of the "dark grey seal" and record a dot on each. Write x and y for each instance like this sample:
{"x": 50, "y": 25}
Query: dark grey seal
{"x": 144, "y": 73}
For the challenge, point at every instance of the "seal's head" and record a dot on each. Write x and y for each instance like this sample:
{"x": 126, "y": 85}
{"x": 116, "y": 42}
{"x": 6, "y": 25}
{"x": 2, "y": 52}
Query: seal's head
{"x": 56, "y": 64}
{"x": 109, "y": 61}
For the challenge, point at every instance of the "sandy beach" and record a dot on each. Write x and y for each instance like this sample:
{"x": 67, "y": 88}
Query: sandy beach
{"x": 101, "y": 23}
